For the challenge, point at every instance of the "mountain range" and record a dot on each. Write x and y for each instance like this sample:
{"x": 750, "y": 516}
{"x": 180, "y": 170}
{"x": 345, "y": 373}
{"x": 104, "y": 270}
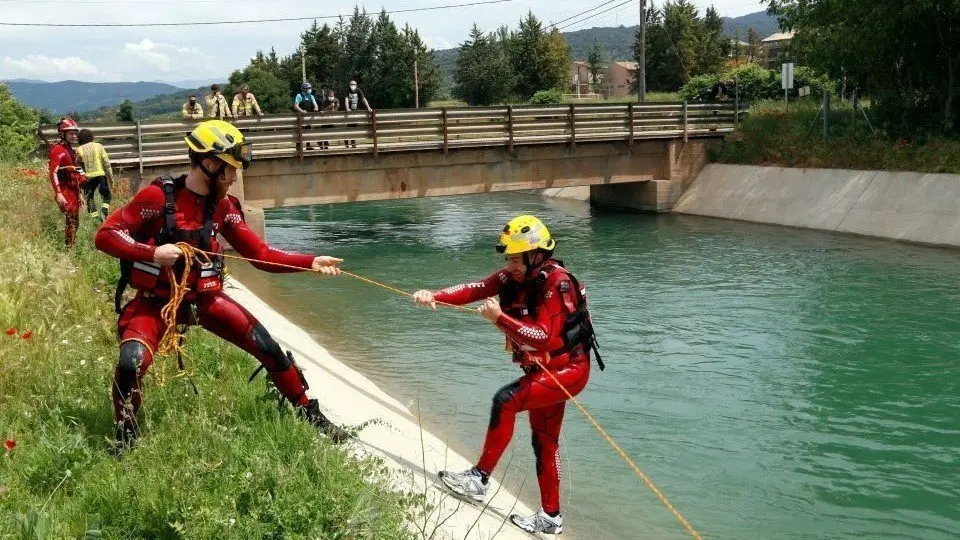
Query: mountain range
{"x": 68, "y": 96}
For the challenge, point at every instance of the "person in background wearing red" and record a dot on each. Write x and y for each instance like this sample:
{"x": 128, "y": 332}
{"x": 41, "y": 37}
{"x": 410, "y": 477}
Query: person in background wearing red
{"x": 66, "y": 176}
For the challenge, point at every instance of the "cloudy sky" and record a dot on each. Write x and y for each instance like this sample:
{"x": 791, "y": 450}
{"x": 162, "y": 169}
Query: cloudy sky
{"x": 199, "y": 53}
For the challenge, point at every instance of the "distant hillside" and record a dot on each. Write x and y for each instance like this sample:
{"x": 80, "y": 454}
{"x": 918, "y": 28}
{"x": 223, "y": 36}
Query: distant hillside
{"x": 67, "y": 96}
{"x": 618, "y": 41}
{"x": 762, "y": 23}
{"x": 164, "y": 105}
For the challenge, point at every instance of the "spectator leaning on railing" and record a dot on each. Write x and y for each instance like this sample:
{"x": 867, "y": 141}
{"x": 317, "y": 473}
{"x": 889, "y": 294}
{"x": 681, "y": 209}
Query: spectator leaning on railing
{"x": 215, "y": 104}
{"x": 191, "y": 109}
{"x": 245, "y": 103}
{"x": 305, "y": 101}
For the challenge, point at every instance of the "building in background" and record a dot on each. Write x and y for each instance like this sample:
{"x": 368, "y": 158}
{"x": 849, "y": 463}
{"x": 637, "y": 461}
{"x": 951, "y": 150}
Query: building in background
{"x": 618, "y": 81}
{"x": 774, "y": 48}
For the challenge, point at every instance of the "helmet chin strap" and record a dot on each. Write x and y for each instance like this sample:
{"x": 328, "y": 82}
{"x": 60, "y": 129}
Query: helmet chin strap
{"x": 528, "y": 260}
{"x": 213, "y": 176}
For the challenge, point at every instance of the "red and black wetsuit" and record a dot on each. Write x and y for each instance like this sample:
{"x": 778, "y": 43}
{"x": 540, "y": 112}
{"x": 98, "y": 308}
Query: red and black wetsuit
{"x": 534, "y": 330}
{"x": 66, "y": 177}
{"x": 132, "y": 233}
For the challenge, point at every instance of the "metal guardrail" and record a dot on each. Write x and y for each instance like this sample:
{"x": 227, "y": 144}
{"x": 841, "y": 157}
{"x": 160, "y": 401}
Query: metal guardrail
{"x": 160, "y": 142}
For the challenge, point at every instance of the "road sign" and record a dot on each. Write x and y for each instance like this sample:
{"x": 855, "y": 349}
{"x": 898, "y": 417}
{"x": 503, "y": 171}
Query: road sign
{"x": 787, "y": 76}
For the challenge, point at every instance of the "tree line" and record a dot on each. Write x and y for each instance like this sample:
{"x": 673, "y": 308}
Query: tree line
{"x": 511, "y": 65}
{"x": 904, "y": 55}
{"x": 681, "y": 44}
{"x": 370, "y": 50}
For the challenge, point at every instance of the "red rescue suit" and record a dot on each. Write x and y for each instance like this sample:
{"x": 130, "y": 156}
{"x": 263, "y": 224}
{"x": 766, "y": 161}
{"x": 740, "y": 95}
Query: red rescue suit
{"x": 533, "y": 330}
{"x": 66, "y": 177}
{"x": 132, "y": 234}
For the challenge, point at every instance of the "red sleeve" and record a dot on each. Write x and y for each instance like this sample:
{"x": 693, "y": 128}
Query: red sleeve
{"x": 115, "y": 236}
{"x": 251, "y": 246}
{"x": 56, "y": 159}
{"x": 548, "y": 324}
{"x": 466, "y": 293}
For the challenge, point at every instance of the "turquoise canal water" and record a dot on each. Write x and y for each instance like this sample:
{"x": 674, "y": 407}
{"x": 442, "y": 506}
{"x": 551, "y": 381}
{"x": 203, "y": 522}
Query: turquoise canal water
{"x": 774, "y": 383}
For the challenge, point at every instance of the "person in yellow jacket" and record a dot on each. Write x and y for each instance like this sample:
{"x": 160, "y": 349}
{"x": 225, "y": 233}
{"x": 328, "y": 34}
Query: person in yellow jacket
{"x": 96, "y": 163}
{"x": 191, "y": 109}
{"x": 215, "y": 105}
{"x": 245, "y": 103}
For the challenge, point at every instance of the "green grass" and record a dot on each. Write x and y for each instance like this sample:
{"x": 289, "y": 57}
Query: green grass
{"x": 792, "y": 136}
{"x": 224, "y": 464}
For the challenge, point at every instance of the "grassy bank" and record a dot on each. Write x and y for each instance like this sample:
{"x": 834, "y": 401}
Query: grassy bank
{"x": 792, "y": 136}
{"x": 222, "y": 464}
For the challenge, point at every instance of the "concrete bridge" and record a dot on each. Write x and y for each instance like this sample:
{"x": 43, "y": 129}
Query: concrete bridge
{"x": 632, "y": 155}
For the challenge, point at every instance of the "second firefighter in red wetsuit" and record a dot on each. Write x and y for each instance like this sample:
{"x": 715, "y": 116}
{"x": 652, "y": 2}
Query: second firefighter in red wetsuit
{"x": 66, "y": 176}
{"x": 542, "y": 311}
{"x": 195, "y": 208}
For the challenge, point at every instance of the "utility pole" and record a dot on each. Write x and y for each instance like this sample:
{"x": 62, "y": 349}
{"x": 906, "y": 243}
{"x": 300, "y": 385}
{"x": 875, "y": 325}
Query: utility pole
{"x": 416, "y": 85}
{"x": 642, "y": 60}
{"x": 303, "y": 64}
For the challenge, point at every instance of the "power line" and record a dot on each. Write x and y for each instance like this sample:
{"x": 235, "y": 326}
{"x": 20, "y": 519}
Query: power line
{"x": 252, "y": 21}
{"x": 610, "y": 17}
{"x": 581, "y": 13}
{"x": 596, "y": 14}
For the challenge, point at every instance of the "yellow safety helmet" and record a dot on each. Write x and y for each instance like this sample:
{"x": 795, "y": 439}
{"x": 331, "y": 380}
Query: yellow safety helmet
{"x": 222, "y": 140}
{"x": 525, "y": 233}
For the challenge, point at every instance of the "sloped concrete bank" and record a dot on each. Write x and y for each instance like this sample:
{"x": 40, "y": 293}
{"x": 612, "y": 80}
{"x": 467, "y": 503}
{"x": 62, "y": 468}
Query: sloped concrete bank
{"x": 394, "y": 434}
{"x": 906, "y": 206}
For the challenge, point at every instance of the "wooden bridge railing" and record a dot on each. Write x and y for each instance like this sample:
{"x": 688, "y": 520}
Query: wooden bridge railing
{"x": 160, "y": 142}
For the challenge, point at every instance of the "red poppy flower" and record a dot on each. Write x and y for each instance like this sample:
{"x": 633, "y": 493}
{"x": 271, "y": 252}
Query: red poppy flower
{"x": 9, "y": 444}
{"x": 11, "y": 331}
{"x": 28, "y": 334}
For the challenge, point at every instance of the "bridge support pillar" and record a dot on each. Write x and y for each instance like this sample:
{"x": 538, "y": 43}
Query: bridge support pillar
{"x": 682, "y": 163}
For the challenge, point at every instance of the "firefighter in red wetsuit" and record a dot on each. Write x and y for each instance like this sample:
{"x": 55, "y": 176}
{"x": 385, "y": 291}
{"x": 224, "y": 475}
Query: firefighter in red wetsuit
{"x": 195, "y": 208}
{"x": 542, "y": 310}
{"x": 66, "y": 176}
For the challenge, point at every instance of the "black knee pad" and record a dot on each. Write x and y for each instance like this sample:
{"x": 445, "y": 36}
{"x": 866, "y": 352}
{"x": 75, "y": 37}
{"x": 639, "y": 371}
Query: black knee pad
{"x": 132, "y": 354}
{"x": 269, "y": 346}
{"x": 500, "y": 399}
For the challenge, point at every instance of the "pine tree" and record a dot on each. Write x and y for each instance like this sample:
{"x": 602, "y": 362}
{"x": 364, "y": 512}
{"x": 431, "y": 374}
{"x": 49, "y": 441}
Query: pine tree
{"x": 482, "y": 75}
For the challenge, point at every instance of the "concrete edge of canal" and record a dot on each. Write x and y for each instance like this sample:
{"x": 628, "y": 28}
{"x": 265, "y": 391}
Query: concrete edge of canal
{"x": 906, "y": 206}
{"x": 396, "y": 436}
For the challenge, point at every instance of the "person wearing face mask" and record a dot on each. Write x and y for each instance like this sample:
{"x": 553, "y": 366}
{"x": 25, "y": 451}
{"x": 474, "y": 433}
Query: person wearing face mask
{"x": 305, "y": 102}
{"x": 191, "y": 109}
{"x": 195, "y": 208}
{"x": 245, "y": 103}
{"x": 67, "y": 176}
{"x": 542, "y": 310}
{"x": 351, "y": 102}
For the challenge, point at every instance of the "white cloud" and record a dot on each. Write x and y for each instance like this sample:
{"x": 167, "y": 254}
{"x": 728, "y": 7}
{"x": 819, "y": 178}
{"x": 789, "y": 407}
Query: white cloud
{"x": 48, "y": 68}
{"x": 164, "y": 57}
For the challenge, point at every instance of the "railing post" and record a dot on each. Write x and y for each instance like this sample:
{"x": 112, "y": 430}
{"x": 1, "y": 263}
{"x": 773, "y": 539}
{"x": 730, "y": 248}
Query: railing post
{"x": 373, "y": 127}
{"x": 630, "y": 125}
{"x": 684, "y": 121}
{"x": 300, "y": 136}
{"x": 140, "y": 148}
{"x": 443, "y": 117}
{"x": 510, "y": 128}
{"x": 573, "y": 129}
{"x": 736, "y": 104}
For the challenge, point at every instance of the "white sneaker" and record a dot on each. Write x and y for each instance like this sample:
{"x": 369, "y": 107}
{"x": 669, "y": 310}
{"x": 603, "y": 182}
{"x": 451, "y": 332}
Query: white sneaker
{"x": 539, "y": 523}
{"x": 466, "y": 484}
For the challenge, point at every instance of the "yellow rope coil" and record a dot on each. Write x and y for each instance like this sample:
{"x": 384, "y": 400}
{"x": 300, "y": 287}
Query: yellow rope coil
{"x": 172, "y": 342}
